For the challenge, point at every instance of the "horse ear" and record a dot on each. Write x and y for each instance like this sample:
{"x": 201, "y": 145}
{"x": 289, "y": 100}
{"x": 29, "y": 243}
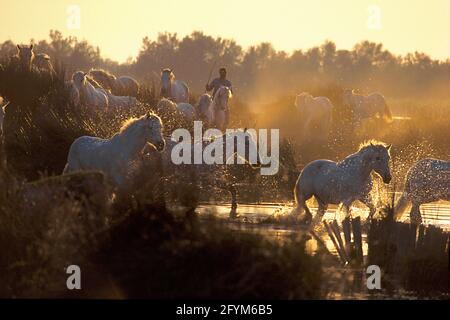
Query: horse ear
{"x": 31, "y": 46}
{"x": 18, "y": 47}
{"x": 148, "y": 115}
{"x": 388, "y": 147}
{"x": 245, "y": 129}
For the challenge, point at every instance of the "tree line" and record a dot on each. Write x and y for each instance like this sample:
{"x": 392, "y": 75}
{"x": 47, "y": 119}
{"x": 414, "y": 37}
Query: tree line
{"x": 261, "y": 70}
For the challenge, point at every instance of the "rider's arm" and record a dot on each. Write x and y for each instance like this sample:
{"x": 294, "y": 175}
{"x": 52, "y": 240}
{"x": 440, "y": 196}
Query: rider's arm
{"x": 210, "y": 86}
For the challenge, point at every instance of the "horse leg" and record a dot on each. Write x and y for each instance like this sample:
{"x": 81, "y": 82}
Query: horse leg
{"x": 414, "y": 216}
{"x": 233, "y": 211}
{"x": 346, "y": 208}
{"x": 320, "y": 212}
{"x": 300, "y": 200}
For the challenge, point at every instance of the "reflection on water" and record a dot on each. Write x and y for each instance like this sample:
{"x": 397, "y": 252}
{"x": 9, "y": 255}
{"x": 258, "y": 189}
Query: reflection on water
{"x": 251, "y": 217}
{"x": 343, "y": 282}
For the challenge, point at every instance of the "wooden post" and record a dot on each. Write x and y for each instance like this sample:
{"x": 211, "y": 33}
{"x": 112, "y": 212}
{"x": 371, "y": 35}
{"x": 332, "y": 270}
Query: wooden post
{"x": 336, "y": 245}
{"x": 337, "y": 234}
{"x": 347, "y": 235}
{"x": 357, "y": 237}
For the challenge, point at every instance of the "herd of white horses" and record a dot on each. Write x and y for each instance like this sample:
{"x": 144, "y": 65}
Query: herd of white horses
{"x": 328, "y": 182}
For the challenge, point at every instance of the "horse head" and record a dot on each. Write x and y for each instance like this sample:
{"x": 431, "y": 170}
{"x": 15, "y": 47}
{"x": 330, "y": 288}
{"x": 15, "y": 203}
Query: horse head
{"x": 167, "y": 77}
{"x": 302, "y": 99}
{"x": 155, "y": 126}
{"x": 202, "y": 107}
{"x": 222, "y": 96}
{"x": 377, "y": 155}
{"x": 26, "y": 55}
{"x": 79, "y": 79}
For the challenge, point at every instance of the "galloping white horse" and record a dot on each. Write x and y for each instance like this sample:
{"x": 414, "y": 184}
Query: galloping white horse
{"x": 114, "y": 156}
{"x": 428, "y": 180}
{"x": 121, "y": 86}
{"x": 342, "y": 182}
{"x": 222, "y": 173}
{"x": 173, "y": 89}
{"x": 88, "y": 94}
{"x": 370, "y": 106}
{"x": 315, "y": 115}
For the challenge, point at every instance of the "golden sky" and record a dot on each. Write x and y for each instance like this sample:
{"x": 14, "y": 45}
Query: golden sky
{"x": 118, "y": 27}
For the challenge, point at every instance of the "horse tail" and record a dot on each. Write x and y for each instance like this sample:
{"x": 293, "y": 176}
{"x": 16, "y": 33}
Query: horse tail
{"x": 66, "y": 169}
{"x": 299, "y": 202}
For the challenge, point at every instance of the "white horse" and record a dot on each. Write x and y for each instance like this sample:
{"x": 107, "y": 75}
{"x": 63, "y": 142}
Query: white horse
{"x": 343, "y": 182}
{"x": 204, "y": 109}
{"x": 121, "y": 86}
{"x": 222, "y": 175}
{"x": 315, "y": 115}
{"x": 2, "y": 114}
{"x": 428, "y": 180}
{"x": 115, "y": 156}
{"x": 42, "y": 62}
{"x": 120, "y": 101}
{"x": 170, "y": 109}
{"x": 187, "y": 110}
{"x": 370, "y": 106}
{"x": 74, "y": 94}
{"x": 88, "y": 94}
{"x": 215, "y": 111}
{"x": 173, "y": 89}
{"x": 24, "y": 56}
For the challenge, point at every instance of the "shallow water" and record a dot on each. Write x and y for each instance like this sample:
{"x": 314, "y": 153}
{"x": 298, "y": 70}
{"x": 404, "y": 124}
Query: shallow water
{"x": 251, "y": 219}
{"x": 345, "y": 282}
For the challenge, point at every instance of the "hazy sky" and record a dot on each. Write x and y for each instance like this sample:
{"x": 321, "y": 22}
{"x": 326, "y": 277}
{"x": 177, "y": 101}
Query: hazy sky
{"x": 118, "y": 27}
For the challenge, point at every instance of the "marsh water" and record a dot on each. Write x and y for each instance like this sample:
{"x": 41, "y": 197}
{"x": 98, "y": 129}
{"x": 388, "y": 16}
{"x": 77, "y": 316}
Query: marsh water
{"x": 346, "y": 282}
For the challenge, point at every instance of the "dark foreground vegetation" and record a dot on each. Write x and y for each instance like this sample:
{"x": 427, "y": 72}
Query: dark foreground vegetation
{"x": 129, "y": 249}
{"x": 132, "y": 246}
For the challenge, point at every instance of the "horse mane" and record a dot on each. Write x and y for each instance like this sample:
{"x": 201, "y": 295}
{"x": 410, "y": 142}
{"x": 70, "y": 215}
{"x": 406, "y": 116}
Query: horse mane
{"x": 305, "y": 94}
{"x": 42, "y": 56}
{"x": 94, "y": 82}
{"x": 230, "y": 94}
{"x": 203, "y": 97}
{"x": 364, "y": 146}
{"x": 371, "y": 143}
{"x": 127, "y": 124}
{"x": 103, "y": 73}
